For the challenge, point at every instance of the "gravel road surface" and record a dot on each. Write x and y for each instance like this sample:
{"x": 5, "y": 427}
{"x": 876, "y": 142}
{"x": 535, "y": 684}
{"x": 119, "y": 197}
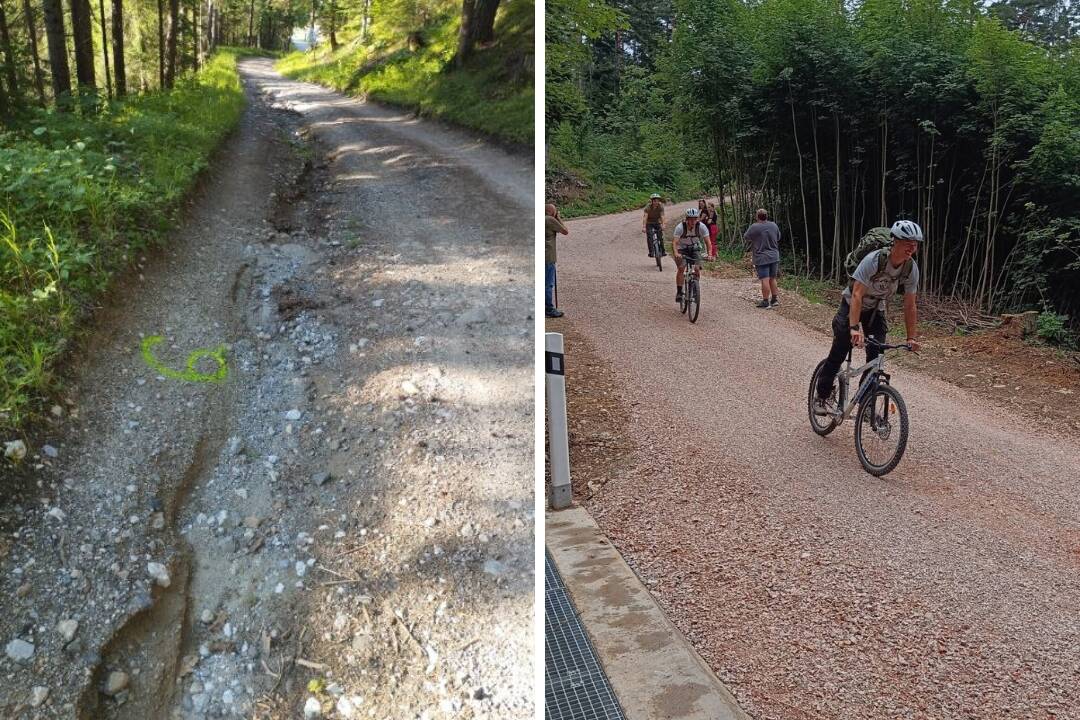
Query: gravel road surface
{"x": 343, "y": 526}
{"x": 947, "y": 589}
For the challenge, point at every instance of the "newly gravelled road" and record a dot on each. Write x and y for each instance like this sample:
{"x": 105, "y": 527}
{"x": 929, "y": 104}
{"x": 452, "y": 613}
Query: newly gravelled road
{"x": 948, "y": 589}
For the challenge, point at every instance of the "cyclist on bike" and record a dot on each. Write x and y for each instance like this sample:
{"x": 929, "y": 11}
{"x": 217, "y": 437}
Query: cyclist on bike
{"x": 688, "y": 234}
{"x": 652, "y": 223}
{"x": 862, "y": 307}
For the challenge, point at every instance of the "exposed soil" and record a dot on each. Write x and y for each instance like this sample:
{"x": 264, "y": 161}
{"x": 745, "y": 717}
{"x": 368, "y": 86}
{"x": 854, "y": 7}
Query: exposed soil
{"x": 345, "y": 521}
{"x": 942, "y": 590}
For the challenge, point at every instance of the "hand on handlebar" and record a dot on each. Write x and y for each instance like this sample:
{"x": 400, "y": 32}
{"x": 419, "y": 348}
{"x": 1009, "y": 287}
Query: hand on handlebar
{"x": 856, "y": 338}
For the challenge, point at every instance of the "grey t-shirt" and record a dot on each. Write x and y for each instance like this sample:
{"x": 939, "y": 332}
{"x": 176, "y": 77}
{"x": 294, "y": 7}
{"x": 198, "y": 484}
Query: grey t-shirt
{"x": 684, "y": 241}
{"x": 881, "y": 285}
{"x": 764, "y": 240}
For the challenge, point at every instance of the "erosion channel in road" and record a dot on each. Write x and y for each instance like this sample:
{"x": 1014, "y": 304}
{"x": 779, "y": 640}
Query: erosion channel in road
{"x": 947, "y": 589}
{"x": 345, "y": 520}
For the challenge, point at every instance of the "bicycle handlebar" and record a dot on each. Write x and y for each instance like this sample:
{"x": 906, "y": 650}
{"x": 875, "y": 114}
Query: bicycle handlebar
{"x": 882, "y": 346}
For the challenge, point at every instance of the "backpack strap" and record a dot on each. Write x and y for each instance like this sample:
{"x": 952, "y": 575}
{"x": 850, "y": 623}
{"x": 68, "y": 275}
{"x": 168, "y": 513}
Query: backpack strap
{"x": 905, "y": 270}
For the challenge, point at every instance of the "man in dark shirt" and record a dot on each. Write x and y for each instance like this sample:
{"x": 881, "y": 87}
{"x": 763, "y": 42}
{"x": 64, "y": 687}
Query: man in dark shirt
{"x": 763, "y": 237}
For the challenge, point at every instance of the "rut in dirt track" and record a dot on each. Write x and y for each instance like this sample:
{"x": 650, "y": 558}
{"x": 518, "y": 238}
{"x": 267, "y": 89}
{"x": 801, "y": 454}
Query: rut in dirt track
{"x": 947, "y": 589}
{"x": 352, "y": 505}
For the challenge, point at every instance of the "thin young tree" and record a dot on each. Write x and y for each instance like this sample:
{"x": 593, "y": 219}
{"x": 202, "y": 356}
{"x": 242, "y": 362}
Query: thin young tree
{"x": 31, "y": 31}
{"x": 118, "y": 47}
{"x": 161, "y": 42}
{"x": 9, "y": 60}
{"x": 105, "y": 49}
{"x": 170, "y": 43}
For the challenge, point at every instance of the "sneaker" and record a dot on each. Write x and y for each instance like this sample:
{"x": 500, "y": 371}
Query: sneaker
{"x": 775, "y": 301}
{"x": 553, "y": 313}
{"x": 678, "y": 295}
{"x": 820, "y": 408}
{"x": 764, "y": 304}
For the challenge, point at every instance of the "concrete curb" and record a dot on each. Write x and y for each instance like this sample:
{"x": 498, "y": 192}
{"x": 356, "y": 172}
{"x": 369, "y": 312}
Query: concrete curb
{"x": 654, "y": 671}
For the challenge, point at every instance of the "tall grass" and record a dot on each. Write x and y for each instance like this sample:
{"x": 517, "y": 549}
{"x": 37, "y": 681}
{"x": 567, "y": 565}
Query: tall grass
{"x": 78, "y": 196}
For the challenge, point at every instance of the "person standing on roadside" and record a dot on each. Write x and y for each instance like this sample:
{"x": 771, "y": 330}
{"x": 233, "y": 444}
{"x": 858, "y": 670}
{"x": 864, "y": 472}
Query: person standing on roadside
{"x": 553, "y": 227}
{"x": 711, "y": 220}
{"x": 652, "y": 223}
{"x": 763, "y": 237}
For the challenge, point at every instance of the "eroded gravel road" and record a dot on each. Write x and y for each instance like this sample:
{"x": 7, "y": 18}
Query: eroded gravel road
{"x": 344, "y": 525}
{"x": 948, "y": 589}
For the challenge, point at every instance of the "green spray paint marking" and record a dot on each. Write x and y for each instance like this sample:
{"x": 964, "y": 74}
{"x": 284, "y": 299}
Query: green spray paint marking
{"x": 191, "y": 374}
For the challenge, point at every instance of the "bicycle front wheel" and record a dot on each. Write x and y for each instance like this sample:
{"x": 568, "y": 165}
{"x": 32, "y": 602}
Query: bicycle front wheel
{"x": 693, "y": 301}
{"x": 881, "y": 430}
{"x": 657, "y": 254}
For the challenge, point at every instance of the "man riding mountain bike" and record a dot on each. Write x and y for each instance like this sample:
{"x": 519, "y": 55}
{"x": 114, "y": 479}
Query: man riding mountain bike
{"x": 652, "y": 224}
{"x": 688, "y": 234}
{"x": 862, "y": 307}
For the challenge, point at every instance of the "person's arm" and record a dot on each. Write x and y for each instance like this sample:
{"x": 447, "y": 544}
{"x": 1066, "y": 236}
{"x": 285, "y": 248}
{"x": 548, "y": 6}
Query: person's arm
{"x": 911, "y": 320}
{"x": 856, "y": 330}
{"x": 644, "y": 218}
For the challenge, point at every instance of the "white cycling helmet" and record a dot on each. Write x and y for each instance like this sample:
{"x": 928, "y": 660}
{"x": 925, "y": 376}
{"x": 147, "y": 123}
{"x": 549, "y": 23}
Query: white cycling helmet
{"x": 906, "y": 230}
{"x": 692, "y": 213}
{"x": 655, "y": 196}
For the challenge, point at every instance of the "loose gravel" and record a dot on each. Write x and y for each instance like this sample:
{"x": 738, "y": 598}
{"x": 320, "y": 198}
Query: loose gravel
{"x": 341, "y": 528}
{"x": 947, "y": 589}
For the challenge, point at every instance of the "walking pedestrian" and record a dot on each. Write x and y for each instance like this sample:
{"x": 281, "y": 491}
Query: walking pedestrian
{"x": 763, "y": 237}
{"x": 553, "y": 227}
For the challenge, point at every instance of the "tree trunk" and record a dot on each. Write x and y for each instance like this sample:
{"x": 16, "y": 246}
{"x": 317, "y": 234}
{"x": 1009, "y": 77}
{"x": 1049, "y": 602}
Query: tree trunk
{"x": 31, "y": 30}
{"x": 105, "y": 50}
{"x": 365, "y": 23}
{"x": 333, "y": 27}
{"x": 170, "y": 47}
{"x": 251, "y": 24}
{"x": 58, "y": 59}
{"x": 9, "y": 59}
{"x": 118, "y": 47}
{"x": 817, "y": 171}
{"x": 195, "y": 33}
{"x": 802, "y": 189}
{"x": 465, "y": 33}
{"x": 82, "y": 36}
{"x": 161, "y": 42}
{"x": 834, "y": 267}
{"x": 483, "y": 31}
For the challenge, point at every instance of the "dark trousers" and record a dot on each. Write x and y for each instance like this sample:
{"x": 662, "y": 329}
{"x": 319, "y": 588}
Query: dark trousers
{"x": 650, "y": 229}
{"x": 874, "y": 326}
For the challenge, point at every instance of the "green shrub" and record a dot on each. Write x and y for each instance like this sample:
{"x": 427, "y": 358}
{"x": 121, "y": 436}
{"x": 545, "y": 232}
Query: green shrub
{"x": 1054, "y": 329}
{"x": 78, "y": 196}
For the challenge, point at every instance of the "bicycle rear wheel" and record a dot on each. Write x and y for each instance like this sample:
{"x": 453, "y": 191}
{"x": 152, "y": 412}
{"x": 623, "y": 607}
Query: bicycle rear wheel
{"x": 881, "y": 430}
{"x": 693, "y": 302}
{"x": 822, "y": 425}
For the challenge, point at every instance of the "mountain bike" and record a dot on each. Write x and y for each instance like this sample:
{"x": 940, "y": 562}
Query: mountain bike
{"x": 691, "y": 295}
{"x": 881, "y": 421}
{"x": 656, "y": 244}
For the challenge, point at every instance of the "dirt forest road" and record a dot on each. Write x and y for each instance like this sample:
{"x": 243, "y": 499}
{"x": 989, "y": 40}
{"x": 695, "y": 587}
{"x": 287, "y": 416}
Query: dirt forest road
{"x": 948, "y": 589}
{"x": 343, "y": 525}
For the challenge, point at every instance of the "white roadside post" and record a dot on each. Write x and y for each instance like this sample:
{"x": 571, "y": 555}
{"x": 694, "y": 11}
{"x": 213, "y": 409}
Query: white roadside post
{"x": 558, "y": 444}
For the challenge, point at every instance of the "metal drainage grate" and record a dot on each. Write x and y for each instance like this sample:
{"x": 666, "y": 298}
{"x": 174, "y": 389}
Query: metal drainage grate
{"x": 575, "y": 686}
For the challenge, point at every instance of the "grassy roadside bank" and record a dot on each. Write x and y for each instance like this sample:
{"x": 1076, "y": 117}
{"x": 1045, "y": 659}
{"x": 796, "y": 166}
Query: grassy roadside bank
{"x": 80, "y": 195}
{"x": 492, "y": 93}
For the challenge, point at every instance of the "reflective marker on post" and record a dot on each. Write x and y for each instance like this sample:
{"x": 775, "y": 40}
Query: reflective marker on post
{"x": 558, "y": 444}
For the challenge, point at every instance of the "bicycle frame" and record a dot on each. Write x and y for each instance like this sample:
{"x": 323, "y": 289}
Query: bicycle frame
{"x": 876, "y": 368}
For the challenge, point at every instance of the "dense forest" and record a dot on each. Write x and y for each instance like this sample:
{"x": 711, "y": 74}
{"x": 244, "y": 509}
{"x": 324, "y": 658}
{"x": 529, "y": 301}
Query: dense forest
{"x": 838, "y": 117}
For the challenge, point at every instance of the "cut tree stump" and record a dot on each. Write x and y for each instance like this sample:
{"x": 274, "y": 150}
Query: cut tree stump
{"x": 1020, "y": 324}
